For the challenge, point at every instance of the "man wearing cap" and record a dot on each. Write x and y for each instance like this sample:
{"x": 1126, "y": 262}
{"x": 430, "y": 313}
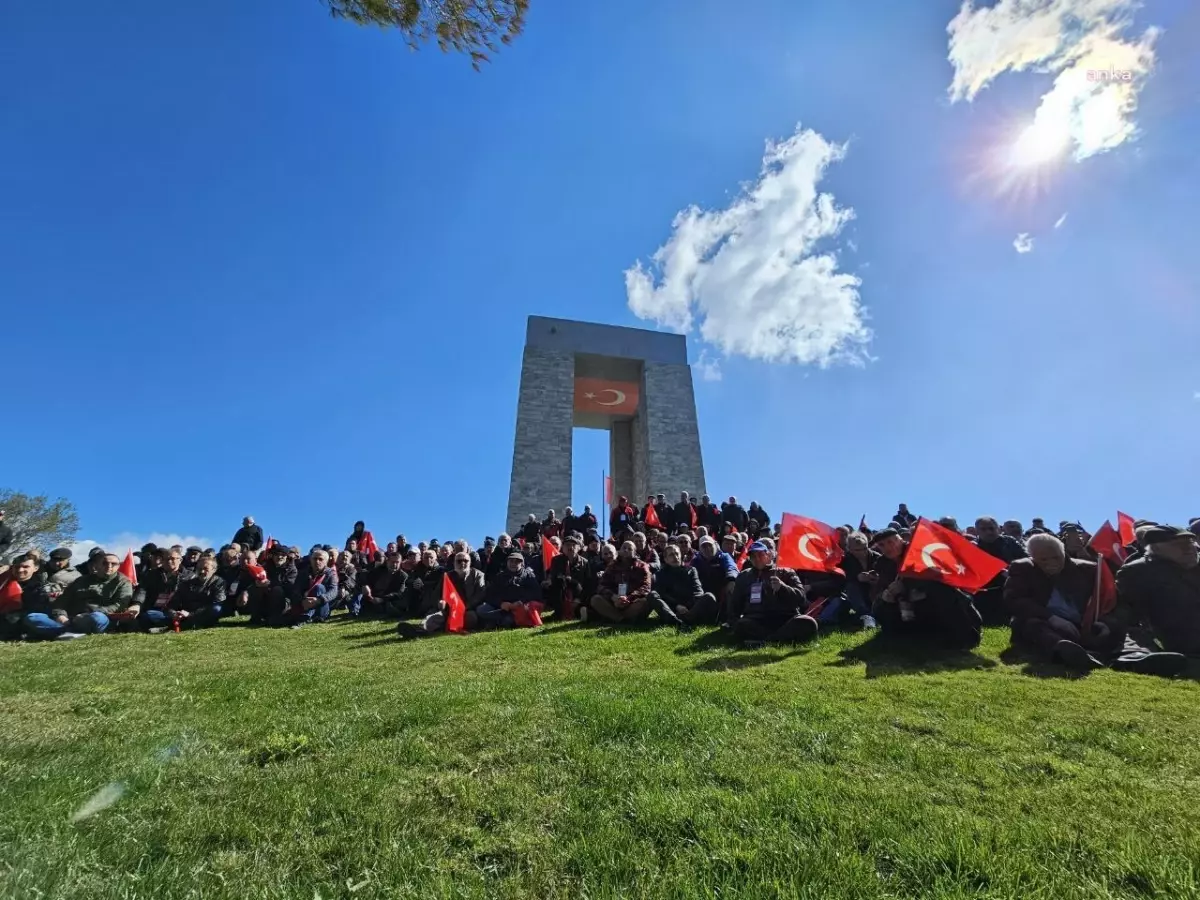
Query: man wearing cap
{"x": 718, "y": 572}
{"x": 59, "y": 571}
{"x": 677, "y": 594}
{"x": 1162, "y": 587}
{"x": 87, "y": 605}
{"x": 199, "y": 601}
{"x": 587, "y": 521}
{"x": 569, "y": 578}
{"x": 85, "y": 567}
{"x": 190, "y": 558}
{"x": 250, "y": 536}
{"x": 624, "y": 588}
{"x": 269, "y": 600}
{"x": 913, "y": 607}
{"x": 768, "y": 602}
{"x": 1048, "y": 595}
{"x": 515, "y": 584}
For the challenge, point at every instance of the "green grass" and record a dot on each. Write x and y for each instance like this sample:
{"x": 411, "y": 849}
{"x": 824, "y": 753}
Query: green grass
{"x": 576, "y": 762}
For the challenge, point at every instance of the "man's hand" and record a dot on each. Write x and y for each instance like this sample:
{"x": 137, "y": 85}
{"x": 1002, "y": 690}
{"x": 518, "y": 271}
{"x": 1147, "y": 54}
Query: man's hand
{"x": 506, "y": 606}
{"x": 182, "y": 614}
{"x": 865, "y": 577}
{"x": 133, "y": 610}
{"x": 62, "y": 620}
{"x": 623, "y": 601}
{"x": 1063, "y": 627}
{"x": 311, "y": 603}
{"x": 366, "y": 592}
{"x": 774, "y": 582}
{"x": 244, "y": 600}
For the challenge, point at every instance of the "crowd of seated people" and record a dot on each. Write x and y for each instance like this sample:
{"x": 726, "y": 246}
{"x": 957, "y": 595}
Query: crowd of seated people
{"x": 686, "y": 564}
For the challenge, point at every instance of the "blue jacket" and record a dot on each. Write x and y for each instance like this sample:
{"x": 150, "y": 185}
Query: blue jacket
{"x": 325, "y": 591}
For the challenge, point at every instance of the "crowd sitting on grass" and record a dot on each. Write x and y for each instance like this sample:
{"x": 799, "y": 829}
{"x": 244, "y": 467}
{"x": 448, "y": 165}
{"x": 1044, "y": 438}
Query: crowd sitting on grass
{"x": 1085, "y": 601}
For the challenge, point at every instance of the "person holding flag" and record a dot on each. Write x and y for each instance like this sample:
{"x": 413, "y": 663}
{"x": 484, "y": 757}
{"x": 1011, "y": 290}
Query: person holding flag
{"x": 923, "y": 585}
{"x": 463, "y": 587}
{"x": 568, "y": 581}
{"x": 1064, "y": 610}
{"x": 1162, "y": 586}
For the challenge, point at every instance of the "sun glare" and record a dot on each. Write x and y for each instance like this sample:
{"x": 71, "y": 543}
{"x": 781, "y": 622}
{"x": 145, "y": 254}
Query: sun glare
{"x": 1038, "y": 144}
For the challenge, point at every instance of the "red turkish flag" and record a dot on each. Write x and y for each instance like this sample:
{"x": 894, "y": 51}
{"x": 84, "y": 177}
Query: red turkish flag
{"x": 1107, "y": 542}
{"x": 692, "y": 515}
{"x": 652, "y": 517}
{"x": 549, "y": 551}
{"x": 10, "y": 594}
{"x": 127, "y": 567}
{"x": 1125, "y": 527}
{"x": 608, "y": 489}
{"x": 808, "y": 545}
{"x": 456, "y": 610}
{"x": 936, "y": 553}
{"x": 1104, "y": 596}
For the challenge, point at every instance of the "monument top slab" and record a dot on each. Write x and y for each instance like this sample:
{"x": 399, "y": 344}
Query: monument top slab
{"x": 570, "y": 336}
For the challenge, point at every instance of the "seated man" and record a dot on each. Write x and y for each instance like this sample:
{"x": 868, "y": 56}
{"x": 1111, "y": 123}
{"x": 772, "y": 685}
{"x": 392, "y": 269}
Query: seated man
{"x": 516, "y": 585}
{"x": 677, "y": 591}
{"x": 647, "y": 554}
{"x": 569, "y": 581}
{"x": 1162, "y": 587}
{"x": 718, "y": 571}
{"x": 909, "y": 606}
{"x": 154, "y": 594}
{"x": 268, "y": 601}
{"x": 1048, "y": 595}
{"x": 59, "y": 571}
{"x": 22, "y": 591}
{"x": 423, "y": 594}
{"x": 623, "y": 595}
{"x": 87, "y": 605}
{"x": 768, "y": 603}
{"x": 381, "y": 593}
{"x": 471, "y": 587}
{"x": 314, "y": 594}
{"x": 199, "y": 601}
{"x": 347, "y": 573}
{"x": 990, "y": 600}
{"x": 859, "y": 563}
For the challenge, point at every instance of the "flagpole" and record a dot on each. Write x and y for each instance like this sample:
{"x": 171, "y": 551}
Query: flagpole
{"x": 603, "y": 504}
{"x": 1094, "y": 601}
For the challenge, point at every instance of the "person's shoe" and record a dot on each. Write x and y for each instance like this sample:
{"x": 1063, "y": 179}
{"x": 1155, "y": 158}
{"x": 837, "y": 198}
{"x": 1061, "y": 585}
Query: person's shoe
{"x": 806, "y": 628}
{"x": 409, "y": 630}
{"x": 868, "y": 623}
{"x": 1074, "y": 656}
{"x": 1163, "y": 664}
{"x": 296, "y": 627}
{"x": 583, "y": 614}
{"x": 158, "y": 629}
{"x": 753, "y": 645}
{"x": 69, "y": 636}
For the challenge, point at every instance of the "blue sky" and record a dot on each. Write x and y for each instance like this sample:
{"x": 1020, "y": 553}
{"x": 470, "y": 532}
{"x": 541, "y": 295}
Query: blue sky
{"x": 257, "y": 260}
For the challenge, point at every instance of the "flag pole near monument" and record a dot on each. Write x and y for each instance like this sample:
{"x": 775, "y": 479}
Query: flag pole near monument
{"x": 604, "y": 501}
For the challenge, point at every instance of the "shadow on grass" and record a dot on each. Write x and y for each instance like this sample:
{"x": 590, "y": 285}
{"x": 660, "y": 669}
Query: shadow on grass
{"x": 885, "y": 656}
{"x": 390, "y": 638}
{"x": 743, "y": 661}
{"x": 705, "y": 641}
{"x": 1037, "y": 667}
{"x": 359, "y": 635}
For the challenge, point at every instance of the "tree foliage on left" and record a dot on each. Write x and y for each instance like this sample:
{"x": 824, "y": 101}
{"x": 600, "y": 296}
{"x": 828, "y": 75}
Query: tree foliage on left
{"x": 474, "y": 27}
{"x": 37, "y": 521}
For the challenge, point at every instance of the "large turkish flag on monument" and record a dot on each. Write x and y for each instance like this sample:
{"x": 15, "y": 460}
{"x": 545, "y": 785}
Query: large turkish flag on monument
{"x": 596, "y": 395}
{"x": 939, "y": 554}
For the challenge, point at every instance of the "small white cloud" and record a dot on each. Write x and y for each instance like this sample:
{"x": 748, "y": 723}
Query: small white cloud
{"x": 121, "y": 543}
{"x": 750, "y": 278}
{"x": 708, "y": 368}
{"x": 1099, "y": 69}
{"x": 1196, "y": 396}
{"x": 1060, "y": 221}
{"x": 1023, "y": 242}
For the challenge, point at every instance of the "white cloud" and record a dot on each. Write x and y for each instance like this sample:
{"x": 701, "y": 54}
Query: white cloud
{"x": 709, "y": 368}
{"x": 127, "y": 540}
{"x": 1060, "y": 221}
{"x": 1023, "y": 242}
{"x": 1075, "y": 40}
{"x": 749, "y": 278}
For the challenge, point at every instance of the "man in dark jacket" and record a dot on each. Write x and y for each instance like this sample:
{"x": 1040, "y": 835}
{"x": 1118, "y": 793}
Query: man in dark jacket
{"x": 707, "y": 515}
{"x": 569, "y": 581}
{"x": 250, "y": 536}
{"x": 1048, "y": 596}
{"x": 717, "y": 571}
{"x": 761, "y": 515}
{"x": 471, "y": 588}
{"x": 622, "y": 518}
{"x": 903, "y": 517}
{"x": 990, "y": 600}
{"x": 735, "y": 514}
{"x": 915, "y": 607}
{"x": 570, "y": 522}
{"x": 587, "y": 521}
{"x": 769, "y": 603}
{"x": 198, "y": 601}
{"x": 677, "y": 588}
{"x": 683, "y": 512}
{"x": 517, "y": 584}
{"x": 270, "y": 600}
{"x": 381, "y": 591}
{"x": 1162, "y": 587}
{"x": 156, "y": 591}
{"x": 87, "y": 605}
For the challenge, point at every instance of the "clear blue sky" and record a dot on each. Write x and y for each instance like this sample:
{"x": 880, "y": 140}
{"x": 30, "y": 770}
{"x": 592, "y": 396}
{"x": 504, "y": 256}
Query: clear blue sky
{"x": 256, "y": 260}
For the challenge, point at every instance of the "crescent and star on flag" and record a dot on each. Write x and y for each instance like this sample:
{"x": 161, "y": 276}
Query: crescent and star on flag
{"x": 595, "y": 397}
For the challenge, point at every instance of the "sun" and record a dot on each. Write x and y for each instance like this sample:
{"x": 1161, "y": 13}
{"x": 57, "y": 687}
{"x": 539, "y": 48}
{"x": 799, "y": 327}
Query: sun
{"x": 1038, "y": 144}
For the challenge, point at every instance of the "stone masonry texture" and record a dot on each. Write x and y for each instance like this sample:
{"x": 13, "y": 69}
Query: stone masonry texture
{"x": 541, "y": 472}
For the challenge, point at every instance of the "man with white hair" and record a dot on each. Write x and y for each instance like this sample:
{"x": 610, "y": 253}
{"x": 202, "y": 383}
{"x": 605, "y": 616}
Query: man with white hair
{"x": 1162, "y": 588}
{"x": 315, "y": 592}
{"x": 1048, "y": 595}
